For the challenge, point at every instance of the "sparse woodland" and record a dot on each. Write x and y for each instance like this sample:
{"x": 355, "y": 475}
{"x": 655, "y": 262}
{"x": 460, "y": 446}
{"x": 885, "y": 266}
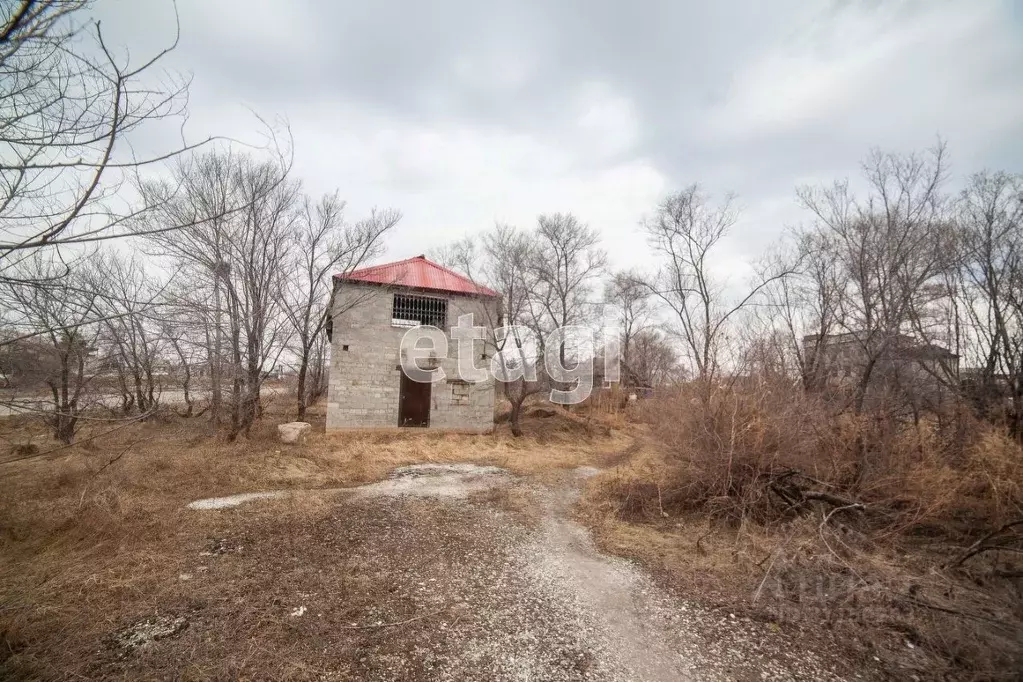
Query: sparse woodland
{"x": 199, "y": 270}
{"x": 906, "y": 443}
{"x": 893, "y": 480}
{"x": 877, "y": 494}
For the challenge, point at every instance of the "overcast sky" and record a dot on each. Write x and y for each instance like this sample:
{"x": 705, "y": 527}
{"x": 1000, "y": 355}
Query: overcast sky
{"x": 461, "y": 113}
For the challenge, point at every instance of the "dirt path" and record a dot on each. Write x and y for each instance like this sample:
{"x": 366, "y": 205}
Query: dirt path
{"x": 635, "y": 629}
{"x": 490, "y": 578}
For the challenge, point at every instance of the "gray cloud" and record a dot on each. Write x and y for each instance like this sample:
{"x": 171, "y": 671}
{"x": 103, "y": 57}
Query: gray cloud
{"x": 461, "y": 112}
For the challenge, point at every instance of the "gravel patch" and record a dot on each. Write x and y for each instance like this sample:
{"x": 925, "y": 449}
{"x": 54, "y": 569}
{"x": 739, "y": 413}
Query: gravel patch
{"x": 476, "y": 589}
{"x": 418, "y": 480}
{"x": 441, "y": 572}
{"x": 502, "y": 599}
{"x": 456, "y": 481}
{"x": 140, "y": 634}
{"x": 233, "y": 500}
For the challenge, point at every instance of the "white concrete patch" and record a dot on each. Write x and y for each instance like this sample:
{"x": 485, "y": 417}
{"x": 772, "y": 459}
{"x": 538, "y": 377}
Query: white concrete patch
{"x": 436, "y": 480}
{"x": 456, "y": 481}
{"x": 233, "y": 500}
{"x": 586, "y": 472}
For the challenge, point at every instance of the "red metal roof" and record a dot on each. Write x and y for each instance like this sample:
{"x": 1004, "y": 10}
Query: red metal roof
{"x": 418, "y": 273}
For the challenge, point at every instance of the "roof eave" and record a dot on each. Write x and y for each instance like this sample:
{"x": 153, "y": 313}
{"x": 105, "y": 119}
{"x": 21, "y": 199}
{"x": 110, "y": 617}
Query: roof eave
{"x": 485, "y": 293}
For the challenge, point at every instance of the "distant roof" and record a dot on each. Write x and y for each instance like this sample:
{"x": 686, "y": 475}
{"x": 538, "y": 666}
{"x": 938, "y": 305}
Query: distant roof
{"x": 902, "y": 343}
{"x": 418, "y": 273}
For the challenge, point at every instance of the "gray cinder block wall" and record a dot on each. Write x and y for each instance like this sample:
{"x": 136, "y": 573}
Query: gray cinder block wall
{"x": 365, "y": 373}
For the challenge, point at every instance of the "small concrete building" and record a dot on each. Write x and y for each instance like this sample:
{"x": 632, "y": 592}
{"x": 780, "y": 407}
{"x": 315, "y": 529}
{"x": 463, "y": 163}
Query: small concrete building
{"x": 373, "y": 310}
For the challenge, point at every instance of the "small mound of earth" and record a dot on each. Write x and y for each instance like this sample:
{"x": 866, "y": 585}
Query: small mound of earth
{"x": 436, "y": 480}
{"x": 232, "y": 500}
{"x": 138, "y": 635}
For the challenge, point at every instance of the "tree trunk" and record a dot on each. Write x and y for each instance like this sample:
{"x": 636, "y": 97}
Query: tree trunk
{"x": 140, "y": 394}
{"x": 65, "y": 417}
{"x": 126, "y": 397}
{"x": 251, "y": 408}
{"x": 236, "y": 377}
{"x": 216, "y": 398}
{"x": 303, "y": 369}
{"x": 1016, "y": 418}
{"x": 185, "y": 386}
{"x": 150, "y": 386}
{"x": 514, "y": 416}
{"x": 863, "y": 385}
{"x": 187, "y": 379}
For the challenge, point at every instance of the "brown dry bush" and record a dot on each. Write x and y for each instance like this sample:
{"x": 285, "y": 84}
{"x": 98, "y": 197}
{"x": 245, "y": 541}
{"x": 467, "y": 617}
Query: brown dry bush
{"x": 725, "y": 447}
{"x": 749, "y": 487}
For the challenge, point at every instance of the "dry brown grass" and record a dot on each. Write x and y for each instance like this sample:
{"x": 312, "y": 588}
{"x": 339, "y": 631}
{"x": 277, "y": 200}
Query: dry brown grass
{"x": 696, "y": 504}
{"x": 96, "y": 536}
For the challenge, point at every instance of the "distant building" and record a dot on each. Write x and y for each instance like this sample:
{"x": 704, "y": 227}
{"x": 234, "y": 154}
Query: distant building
{"x": 629, "y": 381}
{"x": 31, "y": 362}
{"x": 373, "y": 309}
{"x": 990, "y": 391}
{"x": 922, "y": 373}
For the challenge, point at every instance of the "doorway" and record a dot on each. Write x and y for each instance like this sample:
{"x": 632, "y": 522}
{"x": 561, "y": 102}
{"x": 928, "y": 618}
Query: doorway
{"x": 413, "y": 403}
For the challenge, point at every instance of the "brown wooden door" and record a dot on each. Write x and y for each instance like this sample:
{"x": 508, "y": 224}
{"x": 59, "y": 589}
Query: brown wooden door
{"x": 413, "y": 403}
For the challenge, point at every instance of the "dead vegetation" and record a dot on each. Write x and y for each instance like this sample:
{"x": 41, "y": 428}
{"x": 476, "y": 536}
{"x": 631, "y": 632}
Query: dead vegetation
{"x": 96, "y": 543}
{"x": 901, "y": 541}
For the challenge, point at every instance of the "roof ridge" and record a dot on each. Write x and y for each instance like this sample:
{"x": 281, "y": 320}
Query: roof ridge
{"x": 411, "y": 269}
{"x": 370, "y": 268}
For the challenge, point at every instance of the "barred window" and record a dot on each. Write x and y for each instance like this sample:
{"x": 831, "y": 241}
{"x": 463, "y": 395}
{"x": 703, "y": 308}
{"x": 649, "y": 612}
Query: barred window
{"x": 408, "y": 310}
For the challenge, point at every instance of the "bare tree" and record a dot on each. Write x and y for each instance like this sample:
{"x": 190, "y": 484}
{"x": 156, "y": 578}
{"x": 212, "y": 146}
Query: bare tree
{"x": 807, "y": 303}
{"x": 630, "y": 297}
{"x": 260, "y": 250}
{"x": 564, "y": 262}
{"x": 176, "y": 331}
{"x": 684, "y": 232}
{"x": 653, "y": 359}
{"x": 202, "y": 193}
{"x": 508, "y": 255}
{"x": 235, "y": 251}
{"x": 989, "y": 216}
{"x": 325, "y": 245}
{"x": 54, "y": 315}
{"x": 889, "y": 247}
{"x": 503, "y": 260}
{"x": 128, "y": 331}
{"x": 68, "y": 110}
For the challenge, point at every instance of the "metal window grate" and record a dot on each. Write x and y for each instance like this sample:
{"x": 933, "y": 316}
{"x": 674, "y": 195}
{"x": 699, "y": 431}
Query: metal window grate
{"x": 409, "y": 310}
